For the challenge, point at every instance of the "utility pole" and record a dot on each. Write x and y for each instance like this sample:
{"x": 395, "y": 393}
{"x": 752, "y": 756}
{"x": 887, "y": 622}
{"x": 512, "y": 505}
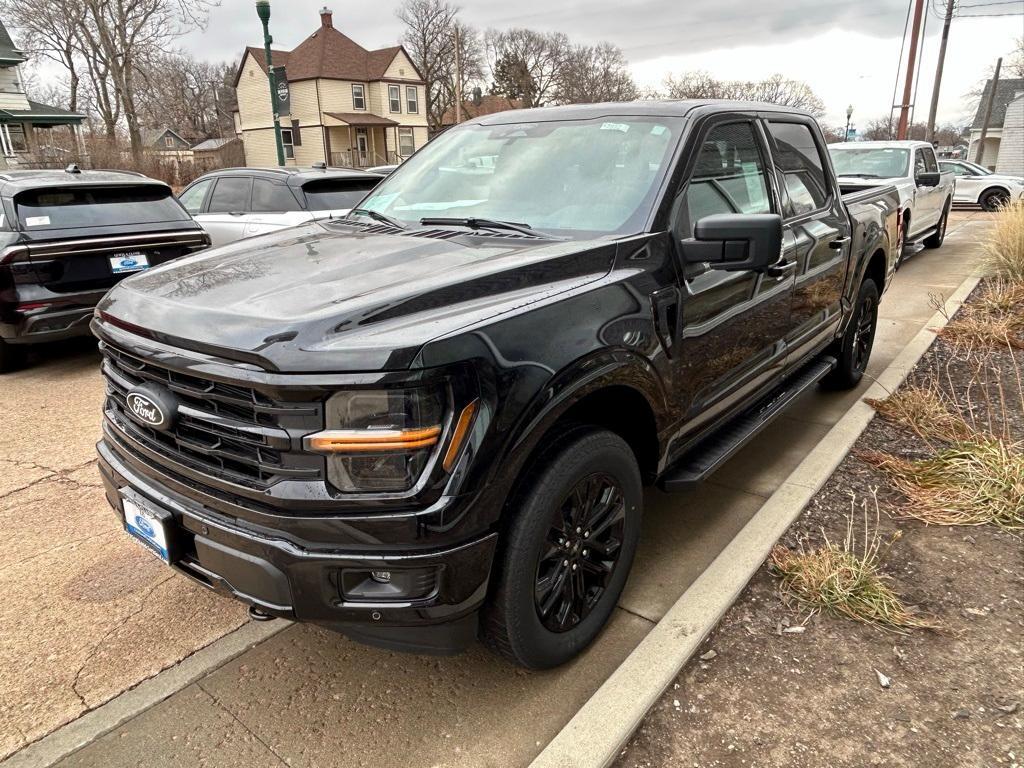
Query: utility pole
{"x": 908, "y": 88}
{"x": 263, "y": 11}
{"x": 988, "y": 113}
{"x": 938, "y": 70}
{"x": 458, "y": 76}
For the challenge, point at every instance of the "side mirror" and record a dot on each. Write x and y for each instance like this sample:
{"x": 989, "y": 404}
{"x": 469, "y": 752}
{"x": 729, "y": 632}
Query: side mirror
{"x": 736, "y": 241}
{"x": 928, "y": 178}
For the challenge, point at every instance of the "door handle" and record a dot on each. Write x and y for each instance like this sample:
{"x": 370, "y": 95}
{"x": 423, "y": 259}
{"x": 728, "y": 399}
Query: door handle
{"x": 838, "y": 243}
{"x": 236, "y": 213}
{"x": 781, "y": 269}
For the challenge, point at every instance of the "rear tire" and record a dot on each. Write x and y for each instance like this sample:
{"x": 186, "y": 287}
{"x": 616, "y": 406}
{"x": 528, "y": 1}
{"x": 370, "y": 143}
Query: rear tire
{"x": 993, "y": 199}
{"x": 568, "y": 550}
{"x": 12, "y": 357}
{"x": 854, "y": 350}
{"x": 936, "y": 240}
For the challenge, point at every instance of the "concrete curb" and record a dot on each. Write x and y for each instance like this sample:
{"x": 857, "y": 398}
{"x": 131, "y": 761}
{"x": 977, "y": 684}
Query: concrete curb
{"x": 601, "y": 728}
{"x": 105, "y": 718}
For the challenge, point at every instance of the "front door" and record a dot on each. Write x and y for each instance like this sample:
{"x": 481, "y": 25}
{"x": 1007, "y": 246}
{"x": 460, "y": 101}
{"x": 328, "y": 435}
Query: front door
{"x": 227, "y": 209}
{"x": 362, "y": 147}
{"x": 929, "y": 200}
{"x": 817, "y": 235}
{"x": 734, "y": 323}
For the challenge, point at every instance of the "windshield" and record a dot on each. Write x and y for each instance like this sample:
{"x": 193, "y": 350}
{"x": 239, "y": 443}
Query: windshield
{"x": 572, "y": 177}
{"x": 70, "y": 207}
{"x": 876, "y": 162}
{"x": 336, "y": 194}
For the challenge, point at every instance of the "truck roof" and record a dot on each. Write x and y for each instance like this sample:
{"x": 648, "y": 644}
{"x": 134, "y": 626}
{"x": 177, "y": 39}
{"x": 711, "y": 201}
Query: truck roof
{"x": 12, "y": 182}
{"x": 906, "y": 144}
{"x": 642, "y": 107}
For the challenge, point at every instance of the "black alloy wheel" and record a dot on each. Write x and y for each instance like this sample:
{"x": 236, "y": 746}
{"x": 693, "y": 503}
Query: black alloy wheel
{"x": 853, "y": 350}
{"x": 580, "y": 553}
{"x": 867, "y": 322}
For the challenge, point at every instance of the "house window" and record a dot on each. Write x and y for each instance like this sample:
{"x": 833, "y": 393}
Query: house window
{"x": 169, "y": 142}
{"x": 19, "y": 142}
{"x": 358, "y": 96}
{"x": 288, "y": 141}
{"x": 395, "y": 97}
{"x": 406, "y": 143}
{"x": 412, "y": 100}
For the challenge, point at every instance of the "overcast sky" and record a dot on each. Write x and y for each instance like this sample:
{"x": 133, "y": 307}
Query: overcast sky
{"x": 847, "y": 50}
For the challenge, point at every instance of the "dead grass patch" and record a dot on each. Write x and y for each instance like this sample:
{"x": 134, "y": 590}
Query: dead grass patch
{"x": 994, "y": 319}
{"x": 1004, "y": 248}
{"x": 845, "y": 579}
{"x": 976, "y": 482}
{"x": 925, "y": 410}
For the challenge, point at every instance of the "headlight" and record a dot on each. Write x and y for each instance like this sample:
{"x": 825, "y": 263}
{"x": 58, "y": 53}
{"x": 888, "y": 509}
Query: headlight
{"x": 380, "y": 440}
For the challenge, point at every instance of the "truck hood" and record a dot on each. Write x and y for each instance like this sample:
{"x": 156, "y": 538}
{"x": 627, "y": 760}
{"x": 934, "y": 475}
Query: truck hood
{"x": 335, "y": 298}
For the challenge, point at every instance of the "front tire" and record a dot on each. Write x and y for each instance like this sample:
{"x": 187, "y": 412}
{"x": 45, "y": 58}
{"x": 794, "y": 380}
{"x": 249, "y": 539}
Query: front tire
{"x": 854, "y": 349}
{"x": 568, "y": 550}
{"x": 936, "y": 240}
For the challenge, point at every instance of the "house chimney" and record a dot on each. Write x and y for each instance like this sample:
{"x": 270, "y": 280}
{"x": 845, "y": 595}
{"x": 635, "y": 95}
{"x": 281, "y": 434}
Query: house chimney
{"x": 326, "y": 15}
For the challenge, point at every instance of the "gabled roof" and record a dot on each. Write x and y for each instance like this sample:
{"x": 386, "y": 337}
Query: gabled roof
{"x": 9, "y": 53}
{"x": 152, "y": 135}
{"x": 1006, "y": 91}
{"x": 211, "y": 145}
{"x": 330, "y": 54}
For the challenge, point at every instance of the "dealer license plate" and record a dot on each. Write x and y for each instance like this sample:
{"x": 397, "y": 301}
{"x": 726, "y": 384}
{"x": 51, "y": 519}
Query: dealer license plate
{"x": 148, "y": 526}
{"x": 128, "y": 262}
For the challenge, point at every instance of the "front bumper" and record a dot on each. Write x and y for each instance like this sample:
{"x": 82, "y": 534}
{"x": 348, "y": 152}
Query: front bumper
{"x": 301, "y": 580}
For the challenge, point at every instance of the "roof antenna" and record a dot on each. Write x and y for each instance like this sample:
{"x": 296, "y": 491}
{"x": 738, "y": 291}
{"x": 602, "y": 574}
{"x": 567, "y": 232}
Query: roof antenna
{"x": 320, "y": 165}
{"x": 73, "y": 168}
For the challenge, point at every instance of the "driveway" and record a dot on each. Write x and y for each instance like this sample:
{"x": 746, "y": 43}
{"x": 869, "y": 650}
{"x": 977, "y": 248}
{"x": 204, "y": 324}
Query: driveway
{"x": 89, "y": 613}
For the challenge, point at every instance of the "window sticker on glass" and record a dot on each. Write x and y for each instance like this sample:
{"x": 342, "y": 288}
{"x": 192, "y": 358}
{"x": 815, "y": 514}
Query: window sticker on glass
{"x": 614, "y": 127}
{"x": 37, "y": 221}
{"x": 657, "y": 130}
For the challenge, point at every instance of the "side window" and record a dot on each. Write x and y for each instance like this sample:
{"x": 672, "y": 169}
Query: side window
{"x": 799, "y": 160}
{"x": 729, "y": 177}
{"x": 268, "y": 197}
{"x": 231, "y": 195}
{"x": 920, "y": 166}
{"x": 192, "y": 198}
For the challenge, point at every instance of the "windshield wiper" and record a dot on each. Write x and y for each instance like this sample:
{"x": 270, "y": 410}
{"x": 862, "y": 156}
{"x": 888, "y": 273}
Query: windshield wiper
{"x": 860, "y": 175}
{"x": 377, "y": 216}
{"x": 477, "y": 223}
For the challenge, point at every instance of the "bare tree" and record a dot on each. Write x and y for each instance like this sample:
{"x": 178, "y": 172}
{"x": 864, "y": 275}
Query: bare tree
{"x": 695, "y": 85}
{"x": 187, "y": 94}
{"x": 776, "y": 89}
{"x": 595, "y": 73}
{"x": 430, "y": 39}
{"x": 50, "y": 28}
{"x": 526, "y": 64}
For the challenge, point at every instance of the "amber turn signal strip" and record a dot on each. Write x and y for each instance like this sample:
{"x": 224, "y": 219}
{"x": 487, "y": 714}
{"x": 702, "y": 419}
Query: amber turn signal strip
{"x": 367, "y": 441}
{"x": 459, "y": 436}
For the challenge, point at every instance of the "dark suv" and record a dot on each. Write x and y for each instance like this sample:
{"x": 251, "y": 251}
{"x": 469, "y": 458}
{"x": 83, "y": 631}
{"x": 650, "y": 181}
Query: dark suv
{"x": 67, "y": 236}
{"x": 435, "y": 417}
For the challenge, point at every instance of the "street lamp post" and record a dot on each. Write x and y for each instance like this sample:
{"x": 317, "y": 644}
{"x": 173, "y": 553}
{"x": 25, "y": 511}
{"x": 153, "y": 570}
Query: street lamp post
{"x": 263, "y": 11}
{"x": 849, "y": 114}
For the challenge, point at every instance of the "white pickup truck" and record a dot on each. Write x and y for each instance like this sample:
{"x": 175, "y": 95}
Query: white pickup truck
{"x": 926, "y": 193}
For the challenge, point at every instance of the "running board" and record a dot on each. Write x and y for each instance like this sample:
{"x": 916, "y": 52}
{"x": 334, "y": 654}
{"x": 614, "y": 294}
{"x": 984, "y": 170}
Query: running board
{"x": 714, "y": 450}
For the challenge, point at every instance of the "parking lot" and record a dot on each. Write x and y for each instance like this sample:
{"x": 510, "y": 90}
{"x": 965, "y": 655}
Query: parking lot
{"x": 88, "y": 613}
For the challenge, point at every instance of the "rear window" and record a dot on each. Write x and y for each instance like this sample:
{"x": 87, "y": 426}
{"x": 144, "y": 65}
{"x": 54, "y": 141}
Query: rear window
{"x": 71, "y": 208}
{"x": 334, "y": 194}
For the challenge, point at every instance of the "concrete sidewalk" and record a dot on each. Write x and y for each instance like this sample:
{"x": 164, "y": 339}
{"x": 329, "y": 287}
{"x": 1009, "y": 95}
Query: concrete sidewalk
{"x": 308, "y": 697}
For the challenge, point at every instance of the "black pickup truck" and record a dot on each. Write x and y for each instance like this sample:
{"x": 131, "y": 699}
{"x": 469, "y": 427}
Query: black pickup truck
{"x": 433, "y": 419}
{"x": 67, "y": 236}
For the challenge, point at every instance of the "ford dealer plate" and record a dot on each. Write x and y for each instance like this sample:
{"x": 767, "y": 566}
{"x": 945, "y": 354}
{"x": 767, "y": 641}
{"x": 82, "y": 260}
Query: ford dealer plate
{"x": 148, "y": 526}
{"x": 128, "y": 262}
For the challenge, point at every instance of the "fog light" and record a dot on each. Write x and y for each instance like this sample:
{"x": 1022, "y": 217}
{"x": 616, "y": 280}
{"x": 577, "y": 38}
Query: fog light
{"x": 381, "y": 577}
{"x": 396, "y": 584}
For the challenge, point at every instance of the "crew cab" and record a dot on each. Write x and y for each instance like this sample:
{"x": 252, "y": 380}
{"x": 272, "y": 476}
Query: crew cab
{"x": 433, "y": 419}
{"x": 67, "y": 236}
{"x": 977, "y": 185}
{"x": 234, "y": 203}
{"x": 926, "y": 192}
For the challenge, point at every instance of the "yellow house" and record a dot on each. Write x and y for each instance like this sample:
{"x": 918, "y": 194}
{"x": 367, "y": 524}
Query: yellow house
{"x": 349, "y": 106}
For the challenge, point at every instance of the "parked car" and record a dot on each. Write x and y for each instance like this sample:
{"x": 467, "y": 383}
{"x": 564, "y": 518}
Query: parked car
{"x": 241, "y": 202}
{"x": 68, "y": 236}
{"x": 926, "y": 193}
{"x": 435, "y": 417}
{"x": 977, "y": 185}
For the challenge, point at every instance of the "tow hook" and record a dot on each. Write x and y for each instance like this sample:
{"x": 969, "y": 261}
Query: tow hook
{"x": 257, "y": 615}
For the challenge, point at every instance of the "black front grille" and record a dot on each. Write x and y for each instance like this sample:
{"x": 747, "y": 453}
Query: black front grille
{"x": 234, "y": 433}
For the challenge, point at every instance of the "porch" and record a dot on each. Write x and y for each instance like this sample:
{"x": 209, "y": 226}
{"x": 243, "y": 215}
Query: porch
{"x": 361, "y": 141}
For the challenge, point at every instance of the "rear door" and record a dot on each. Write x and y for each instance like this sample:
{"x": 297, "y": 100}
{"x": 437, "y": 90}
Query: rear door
{"x": 817, "y": 233}
{"x": 734, "y": 323}
{"x": 227, "y": 209}
{"x": 274, "y": 207}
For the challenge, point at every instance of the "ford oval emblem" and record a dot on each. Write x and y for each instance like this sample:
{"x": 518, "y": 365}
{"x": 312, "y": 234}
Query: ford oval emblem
{"x": 128, "y": 261}
{"x": 144, "y": 525}
{"x": 152, "y": 406}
